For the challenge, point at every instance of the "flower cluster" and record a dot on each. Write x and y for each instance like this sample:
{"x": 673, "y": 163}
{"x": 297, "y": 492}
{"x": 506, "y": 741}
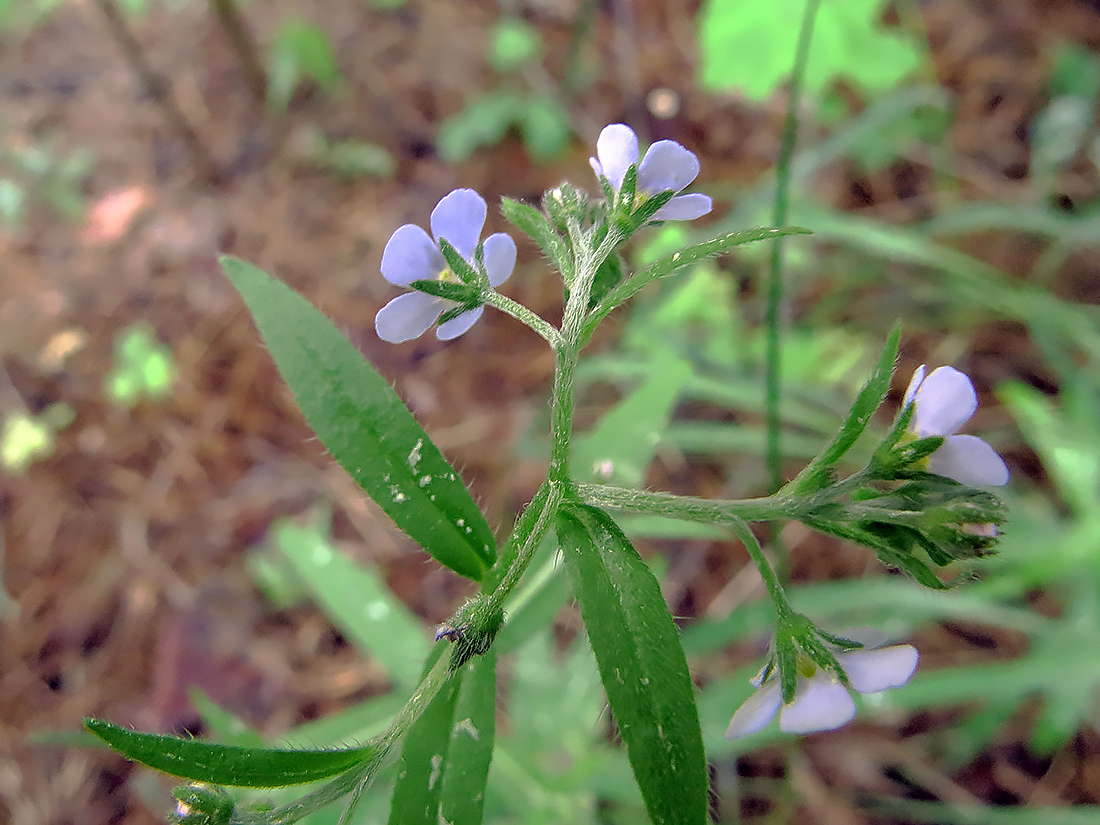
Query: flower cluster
{"x": 821, "y": 702}
{"x": 413, "y": 255}
{"x": 943, "y": 402}
{"x": 667, "y": 166}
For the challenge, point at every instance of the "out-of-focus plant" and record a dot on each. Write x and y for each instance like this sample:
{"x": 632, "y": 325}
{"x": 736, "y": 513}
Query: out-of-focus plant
{"x": 300, "y": 52}
{"x": 39, "y": 174}
{"x": 143, "y": 367}
{"x": 747, "y": 47}
{"x": 27, "y": 438}
{"x": 485, "y": 119}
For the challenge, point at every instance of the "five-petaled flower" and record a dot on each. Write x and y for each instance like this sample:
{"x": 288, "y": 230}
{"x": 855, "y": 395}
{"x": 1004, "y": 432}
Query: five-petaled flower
{"x": 820, "y": 701}
{"x": 411, "y": 254}
{"x": 666, "y": 166}
{"x": 943, "y": 402}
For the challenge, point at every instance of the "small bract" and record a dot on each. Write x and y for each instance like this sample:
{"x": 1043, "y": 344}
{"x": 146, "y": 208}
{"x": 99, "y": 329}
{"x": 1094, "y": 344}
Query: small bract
{"x": 944, "y": 401}
{"x": 666, "y": 166}
{"x": 411, "y": 254}
{"x": 821, "y": 702}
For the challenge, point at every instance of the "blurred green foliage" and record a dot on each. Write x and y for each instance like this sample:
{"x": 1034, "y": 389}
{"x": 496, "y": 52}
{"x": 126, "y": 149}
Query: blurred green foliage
{"x": 143, "y": 367}
{"x": 749, "y": 47}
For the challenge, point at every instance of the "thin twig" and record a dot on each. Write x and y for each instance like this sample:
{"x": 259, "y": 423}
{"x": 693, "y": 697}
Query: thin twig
{"x": 229, "y": 16}
{"x": 160, "y": 90}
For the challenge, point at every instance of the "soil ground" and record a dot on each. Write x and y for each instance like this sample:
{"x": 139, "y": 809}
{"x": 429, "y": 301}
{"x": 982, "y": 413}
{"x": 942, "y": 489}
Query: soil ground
{"x": 124, "y": 552}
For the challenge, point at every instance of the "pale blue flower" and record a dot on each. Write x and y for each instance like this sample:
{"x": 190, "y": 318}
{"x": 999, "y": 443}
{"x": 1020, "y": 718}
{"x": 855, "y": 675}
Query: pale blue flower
{"x": 666, "y": 166}
{"x": 411, "y": 254}
{"x": 820, "y": 701}
{"x": 944, "y": 401}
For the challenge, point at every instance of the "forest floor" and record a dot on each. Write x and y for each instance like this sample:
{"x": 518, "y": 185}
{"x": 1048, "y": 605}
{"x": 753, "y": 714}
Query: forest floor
{"x": 124, "y": 552}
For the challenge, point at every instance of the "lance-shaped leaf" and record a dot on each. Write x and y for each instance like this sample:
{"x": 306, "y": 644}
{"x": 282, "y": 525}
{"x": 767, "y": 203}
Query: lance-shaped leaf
{"x": 419, "y": 786}
{"x": 472, "y": 737}
{"x": 227, "y": 764}
{"x": 641, "y": 664}
{"x": 815, "y": 475}
{"x": 363, "y": 423}
{"x": 668, "y": 264}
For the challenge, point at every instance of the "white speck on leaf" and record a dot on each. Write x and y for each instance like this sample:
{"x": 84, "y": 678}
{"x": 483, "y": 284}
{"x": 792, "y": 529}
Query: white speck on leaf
{"x": 322, "y": 554}
{"x": 425, "y": 481}
{"x": 414, "y": 454}
{"x": 467, "y": 726}
{"x": 433, "y": 777}
{"x": 377, "y": 610}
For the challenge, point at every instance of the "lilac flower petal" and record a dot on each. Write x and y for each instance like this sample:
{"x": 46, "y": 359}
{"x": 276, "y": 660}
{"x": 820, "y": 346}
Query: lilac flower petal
{"x": 945, "y": 401}
{"x": 756, "y": 711}
{"x": 407, "y": 316}
{"x": 914, "y": 385}
{"x": 459, "y": 217}
{"x": 666, "y": 165}
{"x": 870, "y": 671}
{"x": 500, "y": 257}
{"x": 411, "y": 255}
{"x": 820, "y": 704}
{"x": 616, "y": 149}
{"x": 684, "y": 208}
{"x": 969, "y": 460}
{"x": 456, "y": 326}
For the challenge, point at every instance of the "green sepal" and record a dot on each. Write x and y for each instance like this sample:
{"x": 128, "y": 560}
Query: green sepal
{"x": 365, "y": 426}
{"x": 455, "y": 312}
{"x": 628, "y": 189}
{"x": 641, "y": 664}
{"x": 822, "y": 656}
{"x": 227, "y": 764}
{"x": 462, "y": 268}
{"x": 459, "y": 293}
{"x": 815, "y": 476}
{"x": 909, "y": 454}
{"x": 649, "y": 207}
{"x": 897, "y": 432}
{"x": 786, "y": 660}
{"x": 534, "y": 223}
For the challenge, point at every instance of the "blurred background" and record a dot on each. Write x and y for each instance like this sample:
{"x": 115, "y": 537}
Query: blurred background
{"x": 166, "y": 511}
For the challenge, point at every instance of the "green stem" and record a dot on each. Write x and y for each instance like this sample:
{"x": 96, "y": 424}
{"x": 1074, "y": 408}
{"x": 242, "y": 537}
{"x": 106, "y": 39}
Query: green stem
{"x": 774, "y": 456}
{"x": 355, "y": 780}
{"x": 733, "y": 515}
{"x": 522, "y": 314}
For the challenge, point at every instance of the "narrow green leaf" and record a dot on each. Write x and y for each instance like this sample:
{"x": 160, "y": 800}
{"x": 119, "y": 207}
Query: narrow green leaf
{"x": 227, "y": 764}
{"x": 870, "y": 398}
{"x": 419, "y": 786}
{"x": 471, "y": 750}
{"x": 619, "y": 449}
{"x": 674, "y": 261}
{"x": 358, "y": 601}
{"x": 363, "y": 423}
{"x": 641, "y": 664}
